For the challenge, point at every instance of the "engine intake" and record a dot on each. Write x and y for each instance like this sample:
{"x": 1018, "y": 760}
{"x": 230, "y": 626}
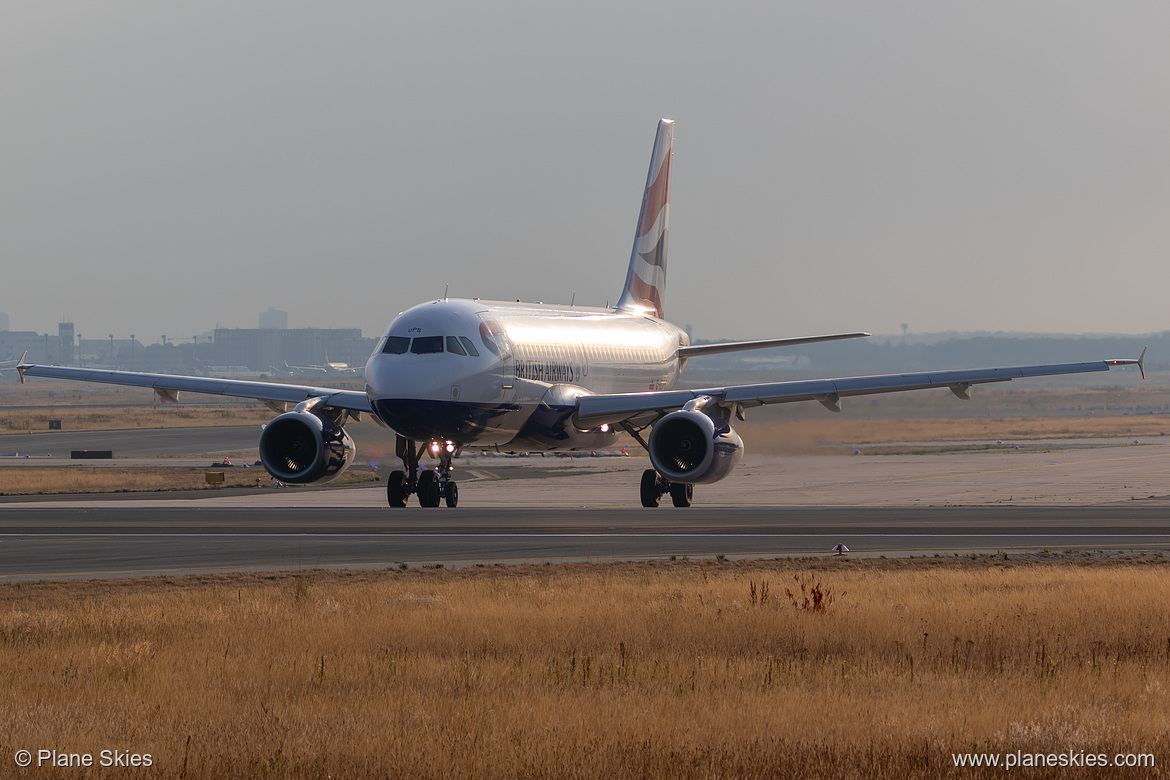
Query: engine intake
{"x": 691, "y": 447}
{"x": 301, "y": 448}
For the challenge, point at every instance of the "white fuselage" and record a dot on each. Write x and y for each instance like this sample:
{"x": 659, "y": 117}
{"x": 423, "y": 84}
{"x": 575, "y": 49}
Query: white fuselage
{"x": 489, "y": 373}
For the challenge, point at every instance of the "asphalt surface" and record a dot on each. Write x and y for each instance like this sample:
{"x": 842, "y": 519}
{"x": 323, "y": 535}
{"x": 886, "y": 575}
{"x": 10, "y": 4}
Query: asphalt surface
{"x": 125, "y": 540}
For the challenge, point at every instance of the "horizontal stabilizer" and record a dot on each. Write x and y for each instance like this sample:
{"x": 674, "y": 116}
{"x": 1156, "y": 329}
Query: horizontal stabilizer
{"x": 740, "y": 346}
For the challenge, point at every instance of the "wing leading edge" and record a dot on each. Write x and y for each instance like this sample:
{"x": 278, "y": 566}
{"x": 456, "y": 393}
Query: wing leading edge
{"x": 595, "y": 410}
{"x": 168, "y": 387}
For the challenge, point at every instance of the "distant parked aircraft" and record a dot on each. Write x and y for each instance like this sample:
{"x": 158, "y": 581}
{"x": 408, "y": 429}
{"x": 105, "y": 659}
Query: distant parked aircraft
{"x": 325, "y": 368}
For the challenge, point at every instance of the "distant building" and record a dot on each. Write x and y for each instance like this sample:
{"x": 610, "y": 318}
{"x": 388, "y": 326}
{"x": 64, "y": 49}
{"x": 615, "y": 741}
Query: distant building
{"x": 14, "y": 343}
{"x": 66, "y": 353}
{"x": 259, "y": 350}
{"x": 264, "y": 349}
{"x": 274, "y": 319}
{"x": 3, "y": 321}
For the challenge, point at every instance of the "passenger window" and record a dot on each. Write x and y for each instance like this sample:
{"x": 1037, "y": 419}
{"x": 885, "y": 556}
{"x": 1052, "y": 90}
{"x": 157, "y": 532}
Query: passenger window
{"x": 471, "y": 350}
{"x": 427, "y": 345}
{"x": 453, "y": 345}
{"x": 396, "y": 345}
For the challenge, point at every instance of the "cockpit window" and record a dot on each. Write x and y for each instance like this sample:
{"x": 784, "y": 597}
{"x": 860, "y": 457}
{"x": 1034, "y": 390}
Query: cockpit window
{"x": 471, "y": 350}
{"x": 426, "y": 345}
{"x": 396, "y": 345}
{"x": 453, "y": 345}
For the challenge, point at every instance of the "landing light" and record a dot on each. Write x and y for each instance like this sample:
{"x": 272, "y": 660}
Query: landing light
{"x": 450, "y": 447}
{"x": 605, "y": 427}
{"x": 435, "y": 447}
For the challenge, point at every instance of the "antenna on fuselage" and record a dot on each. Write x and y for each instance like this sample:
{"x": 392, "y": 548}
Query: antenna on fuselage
{"x": 446, "y": 287}
{"x": 573, "y": 299}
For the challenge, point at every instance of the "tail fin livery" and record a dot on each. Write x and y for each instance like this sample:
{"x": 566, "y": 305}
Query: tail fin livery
{"x": 646, "y": 280}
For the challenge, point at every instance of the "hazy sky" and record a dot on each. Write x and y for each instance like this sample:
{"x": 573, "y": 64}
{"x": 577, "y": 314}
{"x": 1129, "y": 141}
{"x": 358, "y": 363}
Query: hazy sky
{"x": 167, "y": 167}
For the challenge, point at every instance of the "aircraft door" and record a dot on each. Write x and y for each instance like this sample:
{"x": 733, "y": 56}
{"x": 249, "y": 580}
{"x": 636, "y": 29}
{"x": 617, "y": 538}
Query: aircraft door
{"x": 507, "y": 369}
{"x": 496, "y": 340}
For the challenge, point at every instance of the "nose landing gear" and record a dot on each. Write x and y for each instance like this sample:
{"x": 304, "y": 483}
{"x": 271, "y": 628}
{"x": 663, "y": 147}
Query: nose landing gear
{"x": 432, "y": 485}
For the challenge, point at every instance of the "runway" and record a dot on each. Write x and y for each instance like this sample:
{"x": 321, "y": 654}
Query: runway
{"x": 131, "y": 541}
{"x": 1107, "y": 496}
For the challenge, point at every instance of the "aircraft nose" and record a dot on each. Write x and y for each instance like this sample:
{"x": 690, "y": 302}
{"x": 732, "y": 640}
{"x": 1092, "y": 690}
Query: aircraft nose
{"x": 433, "y": 401}
{"x": 392, "y": 376}
{"x": 424, "y": 378}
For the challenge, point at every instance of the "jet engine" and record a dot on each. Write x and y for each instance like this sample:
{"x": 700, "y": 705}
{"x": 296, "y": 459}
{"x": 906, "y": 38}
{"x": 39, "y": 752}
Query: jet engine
{"x": 691, "y": 447}
{"x": 300, "y": 448}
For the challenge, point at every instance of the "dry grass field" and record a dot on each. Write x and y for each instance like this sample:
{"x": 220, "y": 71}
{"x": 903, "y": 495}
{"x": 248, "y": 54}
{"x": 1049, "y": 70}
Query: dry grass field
{"x": 682, "y": 669}
{"x": 832, "y": 434}
{"x": 24, "y": 481}
{"x": 88, "y": 407}
{"x": 115, "y": 418}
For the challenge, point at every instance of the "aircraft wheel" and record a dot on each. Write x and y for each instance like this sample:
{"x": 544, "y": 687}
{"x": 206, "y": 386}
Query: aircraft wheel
{"x": 452, "y": 496}
{"x": 681, "y": 494}
{"x": 396, "y": 489}
{"x": 650, "y": 488}
{"x": 428, "y": 489}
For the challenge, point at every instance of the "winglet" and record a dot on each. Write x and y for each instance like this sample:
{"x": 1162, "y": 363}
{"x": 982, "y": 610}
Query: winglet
{"x": 21, "y": 366}
{"x": 1140, "y": 362}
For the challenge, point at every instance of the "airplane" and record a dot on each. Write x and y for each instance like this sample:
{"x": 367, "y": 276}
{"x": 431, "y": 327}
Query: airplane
{"x": 327, "y": 367}
{"x": 454, "y": 374}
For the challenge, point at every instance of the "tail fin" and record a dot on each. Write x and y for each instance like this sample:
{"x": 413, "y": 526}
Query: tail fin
{"x": 646, "y": 280}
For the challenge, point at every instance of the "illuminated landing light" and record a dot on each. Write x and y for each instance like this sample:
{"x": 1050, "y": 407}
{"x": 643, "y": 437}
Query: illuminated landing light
{"x": 605, "y": 427}
{"x": 435, "y": 447}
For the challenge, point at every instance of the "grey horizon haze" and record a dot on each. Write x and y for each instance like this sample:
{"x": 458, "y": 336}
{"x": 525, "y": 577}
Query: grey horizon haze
{"x": 168, "y": 167}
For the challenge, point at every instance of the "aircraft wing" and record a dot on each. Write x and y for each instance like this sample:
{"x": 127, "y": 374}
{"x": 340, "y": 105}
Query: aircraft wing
{"x": 598, "y": 409}
{"x": 279, "y": 397}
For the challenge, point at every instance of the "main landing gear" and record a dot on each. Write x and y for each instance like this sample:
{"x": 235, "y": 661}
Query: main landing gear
{"x": 432, "y": 485}
{"x": 654, "y": 486}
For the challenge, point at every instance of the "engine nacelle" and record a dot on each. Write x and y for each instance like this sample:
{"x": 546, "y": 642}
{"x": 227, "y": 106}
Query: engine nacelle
{"x": 692, "y": 447}
{"x": 300, "y": 448}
